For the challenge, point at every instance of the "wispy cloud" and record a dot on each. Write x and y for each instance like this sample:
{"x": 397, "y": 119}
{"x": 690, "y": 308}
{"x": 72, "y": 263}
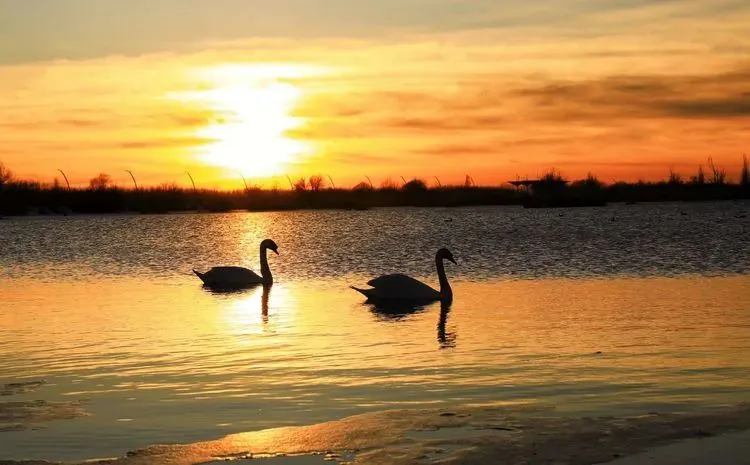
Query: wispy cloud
{"x": 717, "y": 95}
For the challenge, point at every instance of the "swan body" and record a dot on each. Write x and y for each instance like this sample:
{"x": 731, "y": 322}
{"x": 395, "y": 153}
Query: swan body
{"x": 236, "y": 277}
{"x": 400, "y": 287}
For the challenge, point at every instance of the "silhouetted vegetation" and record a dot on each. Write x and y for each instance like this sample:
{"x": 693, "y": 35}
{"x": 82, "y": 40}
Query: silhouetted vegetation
{"x": 22, "y": 197}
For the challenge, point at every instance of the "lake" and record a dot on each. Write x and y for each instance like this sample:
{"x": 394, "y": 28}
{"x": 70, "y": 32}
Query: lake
{"x": 594, "y": 311}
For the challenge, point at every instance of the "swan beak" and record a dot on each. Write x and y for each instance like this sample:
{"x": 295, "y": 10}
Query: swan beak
{"x": 276, "y": 251}
{"x": 452, "y": 261}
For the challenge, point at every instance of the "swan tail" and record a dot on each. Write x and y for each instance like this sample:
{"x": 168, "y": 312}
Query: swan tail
{"x": 200, "y": 275}
{"x": 365, "y": 292}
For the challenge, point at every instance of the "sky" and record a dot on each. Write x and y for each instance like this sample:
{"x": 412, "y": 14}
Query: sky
{"x": 497, "y": 89}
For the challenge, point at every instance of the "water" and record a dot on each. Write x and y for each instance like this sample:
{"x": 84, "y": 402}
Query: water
{"x": 618, "y": 310}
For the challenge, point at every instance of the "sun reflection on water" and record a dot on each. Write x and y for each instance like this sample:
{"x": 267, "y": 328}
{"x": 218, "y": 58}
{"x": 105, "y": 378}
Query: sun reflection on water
{"x": 251, "y": 314}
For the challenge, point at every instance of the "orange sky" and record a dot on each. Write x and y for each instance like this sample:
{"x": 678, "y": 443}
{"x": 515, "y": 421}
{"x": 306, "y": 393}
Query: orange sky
{"x": 626, "y": 89}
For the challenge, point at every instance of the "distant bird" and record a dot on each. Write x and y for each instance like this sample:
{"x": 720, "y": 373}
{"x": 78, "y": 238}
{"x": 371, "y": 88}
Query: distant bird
{"x": 682, "y": 212}
{"x": 236, "y": 277}
{"x": 400, "y": 287}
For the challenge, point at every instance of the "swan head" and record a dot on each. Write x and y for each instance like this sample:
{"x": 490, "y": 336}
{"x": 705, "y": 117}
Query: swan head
{"x": 270, "y": 245}
{"x": 445, "y": 254}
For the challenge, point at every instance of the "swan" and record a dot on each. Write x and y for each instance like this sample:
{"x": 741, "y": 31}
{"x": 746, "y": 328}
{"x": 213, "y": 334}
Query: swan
{"x": 399, "y": 287}
{"x": 234, "y": 277}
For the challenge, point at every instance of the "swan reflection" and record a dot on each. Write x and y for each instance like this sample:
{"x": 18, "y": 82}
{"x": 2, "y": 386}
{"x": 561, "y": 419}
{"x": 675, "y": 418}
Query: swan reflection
{"x": 264, "y": 303}
{"x": 399, "y": 311}
{"x": 228, "y": 292}
{"x": 251, "y": 310}
{"x": 396, "y": 310}
{"x": 445, "y": 339}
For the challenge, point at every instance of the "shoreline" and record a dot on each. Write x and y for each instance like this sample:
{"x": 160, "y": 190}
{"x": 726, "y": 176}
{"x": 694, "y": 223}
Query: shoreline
{"x": 52, "y": 213}
{"x": 519, "y": 435}
{"x": 19, "y": 198}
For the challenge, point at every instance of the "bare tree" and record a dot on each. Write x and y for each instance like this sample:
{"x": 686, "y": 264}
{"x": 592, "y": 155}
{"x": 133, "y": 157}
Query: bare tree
{"x": 316, "y": 183}
{"x": 718, "y": 176}
{"x": 6, "y": 175}
{"x": 700, "y": 178}
{"x": 674, "y": 178}
{"x": 300, "y": 185}
{"x": 745, "y": 175}
{"x": 101, "y": 182}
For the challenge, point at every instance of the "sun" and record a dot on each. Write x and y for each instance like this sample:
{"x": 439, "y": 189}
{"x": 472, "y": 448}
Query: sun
{"x": 251, "y": 134}
{"x": 253, "y": 107}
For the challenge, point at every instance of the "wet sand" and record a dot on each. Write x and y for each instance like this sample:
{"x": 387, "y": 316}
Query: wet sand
{"x": 23, "y": 415}
{"x": 12, "y": 389}
{"x": 494, "y": 435}
{"x": 729, "y": 449}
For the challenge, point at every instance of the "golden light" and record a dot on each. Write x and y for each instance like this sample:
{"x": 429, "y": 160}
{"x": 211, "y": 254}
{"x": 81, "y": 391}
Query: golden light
{"x": 253, "y": 107}
{"x": 250, "y": 315}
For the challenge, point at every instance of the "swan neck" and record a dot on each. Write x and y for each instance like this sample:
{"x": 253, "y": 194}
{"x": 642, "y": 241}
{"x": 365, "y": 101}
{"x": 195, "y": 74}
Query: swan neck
{"x": 265, "y": 270}
{"x": 445, "y": 288}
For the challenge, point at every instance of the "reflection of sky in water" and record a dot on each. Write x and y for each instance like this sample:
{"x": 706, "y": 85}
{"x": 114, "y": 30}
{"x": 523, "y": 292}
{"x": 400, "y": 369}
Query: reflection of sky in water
{"x": 167, "y": 361}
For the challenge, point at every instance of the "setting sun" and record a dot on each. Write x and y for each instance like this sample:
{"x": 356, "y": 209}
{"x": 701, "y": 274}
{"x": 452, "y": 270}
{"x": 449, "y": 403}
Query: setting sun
{"x": 253, "y": 107}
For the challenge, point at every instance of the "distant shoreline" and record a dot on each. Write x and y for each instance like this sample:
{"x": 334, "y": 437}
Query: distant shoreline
{"x": 22, "y": 201}
{"x": 54, "y": 214}
{"x": 21, "y": 197}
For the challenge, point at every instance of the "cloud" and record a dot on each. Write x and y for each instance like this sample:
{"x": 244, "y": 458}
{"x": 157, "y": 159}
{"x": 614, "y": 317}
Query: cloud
{"x": 712, "y": 95}
{"x": 508, "y": 110}
{"x": 60, "y": 123}
{"x": 163, "y": 143}
{"x": 730, "y": 107}
{"x": 48, "y": 30}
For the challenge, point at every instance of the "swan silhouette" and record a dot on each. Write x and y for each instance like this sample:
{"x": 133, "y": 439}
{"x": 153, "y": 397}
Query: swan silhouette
{"x": 400, "y": 287}
{"x": 237, "y": 277}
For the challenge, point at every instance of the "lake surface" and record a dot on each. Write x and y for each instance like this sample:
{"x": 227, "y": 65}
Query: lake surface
{"x": 617, "y": 310}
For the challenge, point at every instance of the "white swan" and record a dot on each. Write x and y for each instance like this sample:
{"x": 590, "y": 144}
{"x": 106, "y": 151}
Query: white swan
{"x": 399, "y": 287}
{"x": 236, "y": 277}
